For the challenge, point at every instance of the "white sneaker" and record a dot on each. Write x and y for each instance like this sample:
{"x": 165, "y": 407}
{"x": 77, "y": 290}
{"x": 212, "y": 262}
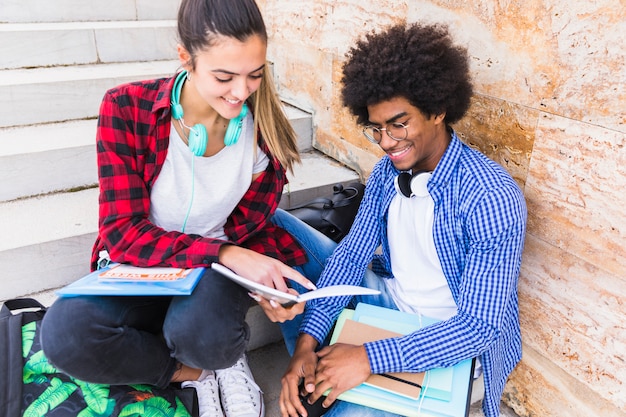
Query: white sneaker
{"x": 241, "y": 396}
{"x": 208, "y": 396}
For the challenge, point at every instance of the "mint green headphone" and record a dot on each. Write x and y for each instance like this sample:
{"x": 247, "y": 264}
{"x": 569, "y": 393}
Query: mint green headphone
{"x": 198, "y": 137}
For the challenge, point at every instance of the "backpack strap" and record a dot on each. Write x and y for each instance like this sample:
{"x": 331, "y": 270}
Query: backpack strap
{"x": 11, "y": 306}
{"x": 13, "y": 315}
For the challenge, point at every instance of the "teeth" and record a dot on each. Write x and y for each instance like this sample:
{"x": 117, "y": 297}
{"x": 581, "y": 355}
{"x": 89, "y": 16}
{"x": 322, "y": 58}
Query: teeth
{"x": 398, "y": 152}
{"x": 232, "y": 101}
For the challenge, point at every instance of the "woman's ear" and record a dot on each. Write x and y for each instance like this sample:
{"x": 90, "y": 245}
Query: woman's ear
{"x": 184, "y": 57}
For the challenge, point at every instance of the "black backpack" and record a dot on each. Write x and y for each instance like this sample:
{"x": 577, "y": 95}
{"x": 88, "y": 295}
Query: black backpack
{"x": 332, "y": 215}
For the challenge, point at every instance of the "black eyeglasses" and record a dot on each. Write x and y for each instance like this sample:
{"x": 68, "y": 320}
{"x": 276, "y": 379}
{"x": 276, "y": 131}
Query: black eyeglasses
{"x": 396, "y": 131}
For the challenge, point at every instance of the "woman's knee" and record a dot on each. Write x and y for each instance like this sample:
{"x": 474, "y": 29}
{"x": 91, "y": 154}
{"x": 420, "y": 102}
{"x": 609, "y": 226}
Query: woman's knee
{"x": 208, "y": 329}
{"x": 64, "y": 335}
{"x": 207, "y": 347}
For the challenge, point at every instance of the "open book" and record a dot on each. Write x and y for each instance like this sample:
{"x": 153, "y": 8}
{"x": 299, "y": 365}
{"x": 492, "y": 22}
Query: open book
{"x": 287, "y": 299}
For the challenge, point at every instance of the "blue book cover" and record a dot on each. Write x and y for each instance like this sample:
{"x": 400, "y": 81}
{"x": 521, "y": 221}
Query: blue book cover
{"x": 445, "y": 391}
{"x": 92, "y": 284}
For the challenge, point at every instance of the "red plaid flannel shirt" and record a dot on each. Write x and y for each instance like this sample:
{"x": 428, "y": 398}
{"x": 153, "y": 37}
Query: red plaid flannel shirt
{"x": 132, "y": 141}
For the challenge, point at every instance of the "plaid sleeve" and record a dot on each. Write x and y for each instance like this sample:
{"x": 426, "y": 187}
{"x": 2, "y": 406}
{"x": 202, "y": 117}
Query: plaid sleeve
{"x": 126, "y": 151}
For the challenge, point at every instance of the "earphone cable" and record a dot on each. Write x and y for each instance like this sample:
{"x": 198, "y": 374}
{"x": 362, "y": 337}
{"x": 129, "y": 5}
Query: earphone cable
{"x": 193, "y": 160}
{"x": 181, "y": 123}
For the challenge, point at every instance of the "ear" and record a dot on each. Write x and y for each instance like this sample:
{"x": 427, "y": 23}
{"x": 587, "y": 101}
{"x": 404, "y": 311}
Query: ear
{"x": 184, "y": 57}
{"x": 439, "y": 118}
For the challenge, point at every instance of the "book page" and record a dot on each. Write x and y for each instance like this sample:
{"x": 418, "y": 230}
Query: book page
{"x": 263, "y": 290}
{"x": 287, "y": 299}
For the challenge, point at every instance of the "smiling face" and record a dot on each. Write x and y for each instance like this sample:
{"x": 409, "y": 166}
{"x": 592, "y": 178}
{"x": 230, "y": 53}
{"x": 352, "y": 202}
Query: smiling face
{"x": 427, "y": 137}
{"x": 227, "y": 73}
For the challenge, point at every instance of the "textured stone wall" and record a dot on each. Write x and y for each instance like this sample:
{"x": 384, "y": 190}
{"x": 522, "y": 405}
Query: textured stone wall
{"x": 550, "y": 106}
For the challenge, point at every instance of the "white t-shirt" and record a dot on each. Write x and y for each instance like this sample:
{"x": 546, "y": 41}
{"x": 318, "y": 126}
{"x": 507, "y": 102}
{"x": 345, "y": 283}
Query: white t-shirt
{"x": 419, "y": 286}
{"x": 216, "y": 184}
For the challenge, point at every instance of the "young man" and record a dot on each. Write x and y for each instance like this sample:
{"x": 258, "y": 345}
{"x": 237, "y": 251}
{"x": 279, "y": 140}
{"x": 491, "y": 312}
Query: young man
{"x": 450, "y": 224}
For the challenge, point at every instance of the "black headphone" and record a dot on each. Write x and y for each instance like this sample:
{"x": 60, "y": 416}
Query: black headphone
{"x": 408, "y": 184}
{"x": 198, "y": 137}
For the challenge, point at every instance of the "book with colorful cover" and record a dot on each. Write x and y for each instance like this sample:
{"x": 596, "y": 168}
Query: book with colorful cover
{"x": 129, "y": 273}
{"x": 134, "y": 281}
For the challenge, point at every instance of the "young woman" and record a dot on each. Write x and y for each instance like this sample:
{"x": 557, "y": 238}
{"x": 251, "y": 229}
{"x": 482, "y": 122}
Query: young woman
{"x": 191, "y": 171}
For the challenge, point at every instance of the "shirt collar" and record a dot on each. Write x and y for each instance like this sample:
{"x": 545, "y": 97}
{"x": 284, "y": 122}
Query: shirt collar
{"x": 164, "y": 96}
{"x": 446, "y": 166}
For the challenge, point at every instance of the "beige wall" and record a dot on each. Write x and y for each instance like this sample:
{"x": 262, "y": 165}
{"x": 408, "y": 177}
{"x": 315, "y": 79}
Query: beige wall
{"x": 550, "y": 106}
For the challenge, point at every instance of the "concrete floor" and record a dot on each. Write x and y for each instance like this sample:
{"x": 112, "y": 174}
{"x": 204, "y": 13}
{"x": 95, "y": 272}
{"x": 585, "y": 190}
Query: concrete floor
{"x": 269, "y": 362}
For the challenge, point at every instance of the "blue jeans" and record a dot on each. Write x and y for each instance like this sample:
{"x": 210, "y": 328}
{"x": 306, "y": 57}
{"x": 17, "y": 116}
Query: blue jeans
{"x": 129, "y": 340}
{"x": 318, "y": 248}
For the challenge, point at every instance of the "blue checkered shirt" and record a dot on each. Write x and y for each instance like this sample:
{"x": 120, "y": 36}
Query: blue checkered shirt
{"x": 479, "y": 228}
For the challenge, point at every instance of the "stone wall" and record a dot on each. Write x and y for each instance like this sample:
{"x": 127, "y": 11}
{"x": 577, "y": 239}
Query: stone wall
{"x": 550, "y": 106}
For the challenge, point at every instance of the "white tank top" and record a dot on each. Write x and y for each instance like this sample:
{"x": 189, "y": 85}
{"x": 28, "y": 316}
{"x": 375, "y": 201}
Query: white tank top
{"x": 216, "y": 184}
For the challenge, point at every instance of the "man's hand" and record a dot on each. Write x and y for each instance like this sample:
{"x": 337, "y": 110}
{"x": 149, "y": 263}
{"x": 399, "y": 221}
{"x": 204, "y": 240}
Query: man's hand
{"x": 301, "y": 368}
{"x": 340, "y": 367}
{"x": 276, "y": 312}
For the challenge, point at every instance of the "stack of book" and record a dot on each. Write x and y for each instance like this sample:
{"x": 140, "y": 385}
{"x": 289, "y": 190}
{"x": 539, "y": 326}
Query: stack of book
{"x": 441, "y": 392}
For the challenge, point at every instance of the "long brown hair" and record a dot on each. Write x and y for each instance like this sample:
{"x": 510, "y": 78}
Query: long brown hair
{"x": 200, "y": 23}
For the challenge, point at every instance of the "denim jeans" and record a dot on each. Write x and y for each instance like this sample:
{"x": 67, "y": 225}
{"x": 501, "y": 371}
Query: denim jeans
{"x": 318, "y": 248}
{"x": 127, "y": 340}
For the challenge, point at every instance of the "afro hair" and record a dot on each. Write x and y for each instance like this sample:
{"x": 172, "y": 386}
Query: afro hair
{"x": 417, "y": 62}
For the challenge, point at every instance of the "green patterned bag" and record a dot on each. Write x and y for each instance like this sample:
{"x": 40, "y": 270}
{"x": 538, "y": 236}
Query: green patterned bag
{"x": 32, "y": 387}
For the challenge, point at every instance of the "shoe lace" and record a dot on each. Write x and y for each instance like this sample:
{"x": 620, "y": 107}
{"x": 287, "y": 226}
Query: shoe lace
{"x": 240, "y": 394}
{"x": 208, "y": 396}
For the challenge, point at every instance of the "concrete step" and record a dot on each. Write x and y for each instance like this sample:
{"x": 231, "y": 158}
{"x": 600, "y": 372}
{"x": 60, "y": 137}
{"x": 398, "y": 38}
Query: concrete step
{"x": 46, "y": 158}
{"x": 47, "y": 239}
{"x": 28, "y": 11}
{"x": 29, "y": 45}
{"x": 41, "y": 159}
{"x": 45, "y": 95}
{"x": 302, "y": 123}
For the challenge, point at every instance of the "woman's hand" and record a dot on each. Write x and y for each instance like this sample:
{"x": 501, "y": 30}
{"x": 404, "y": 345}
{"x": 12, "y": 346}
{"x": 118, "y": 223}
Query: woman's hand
{"x": 260, "y": 268}
{"x": 269, "y": 272}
